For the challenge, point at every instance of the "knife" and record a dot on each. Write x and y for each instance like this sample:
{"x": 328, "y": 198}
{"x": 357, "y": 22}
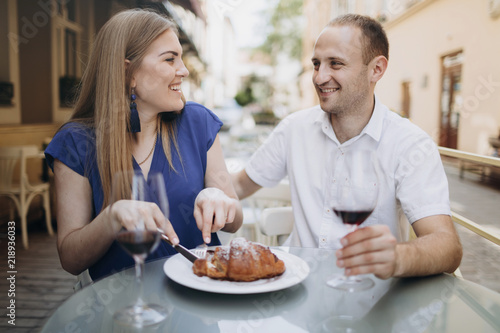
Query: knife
{"x": 179, "y": 248}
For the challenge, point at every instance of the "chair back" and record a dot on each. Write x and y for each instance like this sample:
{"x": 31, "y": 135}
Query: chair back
{"x": 10, "y": 158}
{"x": 82, "y": 280}
{"x": 266, "y": 197}
{"x": 13, "y": 163}
{"x": 277, "y": 196}
{"x": 277, "y": 222}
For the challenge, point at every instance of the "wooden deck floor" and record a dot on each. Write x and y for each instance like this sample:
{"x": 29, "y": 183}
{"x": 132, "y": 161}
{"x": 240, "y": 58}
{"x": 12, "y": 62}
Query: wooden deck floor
{"x": 41, "y": 284}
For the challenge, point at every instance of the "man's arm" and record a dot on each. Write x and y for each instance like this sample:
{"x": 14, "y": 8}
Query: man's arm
{"x": 374, "y": 250}
{"x": 243, "y": 185}
{"x": 437, "y": 248}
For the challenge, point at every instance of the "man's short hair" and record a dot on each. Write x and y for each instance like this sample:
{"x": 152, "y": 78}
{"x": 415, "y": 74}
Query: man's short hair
{"x": 374, "y": 40}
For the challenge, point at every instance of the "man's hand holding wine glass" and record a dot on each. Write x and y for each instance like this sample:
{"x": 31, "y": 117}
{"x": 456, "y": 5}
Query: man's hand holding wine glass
{"x": 368, "y": 250}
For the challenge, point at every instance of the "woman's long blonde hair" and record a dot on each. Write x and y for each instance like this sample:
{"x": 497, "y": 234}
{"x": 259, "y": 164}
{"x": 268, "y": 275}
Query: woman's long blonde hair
{"x": 103, "y": 102}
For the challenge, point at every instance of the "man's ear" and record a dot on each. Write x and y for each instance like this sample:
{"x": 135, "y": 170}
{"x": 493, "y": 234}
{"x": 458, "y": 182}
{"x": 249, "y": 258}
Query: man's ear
{"x": 378, "y": 66}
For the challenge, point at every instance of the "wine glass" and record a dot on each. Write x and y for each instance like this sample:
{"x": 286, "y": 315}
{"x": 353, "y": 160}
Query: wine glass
{"x": 139, "y": 241}
{"x": 355, "y": 198}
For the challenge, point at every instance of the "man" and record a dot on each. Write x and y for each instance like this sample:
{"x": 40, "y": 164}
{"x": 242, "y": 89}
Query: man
{"x": 350, "y": 56}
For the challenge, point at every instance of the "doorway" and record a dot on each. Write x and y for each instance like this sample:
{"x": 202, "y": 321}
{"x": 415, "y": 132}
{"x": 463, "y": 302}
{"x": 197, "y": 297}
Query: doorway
{"x": 451, "y": 99}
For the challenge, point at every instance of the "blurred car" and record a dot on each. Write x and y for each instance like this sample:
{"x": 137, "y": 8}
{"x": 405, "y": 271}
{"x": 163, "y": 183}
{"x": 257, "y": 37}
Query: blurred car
{"x": 230, "y": 113}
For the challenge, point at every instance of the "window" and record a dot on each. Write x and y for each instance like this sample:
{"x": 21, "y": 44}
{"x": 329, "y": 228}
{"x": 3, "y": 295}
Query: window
{"x": 70, "y": 52}
{"x": 68, "y": 37}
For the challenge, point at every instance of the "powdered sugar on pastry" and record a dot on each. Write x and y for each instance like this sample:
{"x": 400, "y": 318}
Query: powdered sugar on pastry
{"x": 242, "y": 261}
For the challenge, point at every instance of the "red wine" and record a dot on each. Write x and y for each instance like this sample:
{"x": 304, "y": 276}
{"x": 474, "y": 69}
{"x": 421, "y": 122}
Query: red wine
{"x": 353, "y": 217}
{"x": 138, "y": 242}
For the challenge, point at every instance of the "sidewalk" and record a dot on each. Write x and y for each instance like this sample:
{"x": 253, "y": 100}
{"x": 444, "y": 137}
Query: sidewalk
{"x": 480, "y": 202}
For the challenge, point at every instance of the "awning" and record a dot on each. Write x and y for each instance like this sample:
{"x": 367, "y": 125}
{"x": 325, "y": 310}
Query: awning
{"x": 191, "y": 5}
{"x": 165, "y": 7}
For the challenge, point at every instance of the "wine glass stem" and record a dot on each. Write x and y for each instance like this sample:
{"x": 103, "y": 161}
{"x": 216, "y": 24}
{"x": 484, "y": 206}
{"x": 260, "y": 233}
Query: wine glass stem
{"x": 139, "y": 269}
{"x": 351, "y": 228}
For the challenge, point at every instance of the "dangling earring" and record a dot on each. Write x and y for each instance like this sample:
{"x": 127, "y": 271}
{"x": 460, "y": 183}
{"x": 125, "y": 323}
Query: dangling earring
{"x": 135, "y": 122}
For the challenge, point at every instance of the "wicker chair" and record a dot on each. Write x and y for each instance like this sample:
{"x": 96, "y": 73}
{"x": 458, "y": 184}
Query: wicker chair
{"x": 22, "y": 192}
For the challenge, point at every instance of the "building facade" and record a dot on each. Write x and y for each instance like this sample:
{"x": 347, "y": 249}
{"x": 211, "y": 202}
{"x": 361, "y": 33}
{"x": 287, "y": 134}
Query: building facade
{"x": 44, "y": 46}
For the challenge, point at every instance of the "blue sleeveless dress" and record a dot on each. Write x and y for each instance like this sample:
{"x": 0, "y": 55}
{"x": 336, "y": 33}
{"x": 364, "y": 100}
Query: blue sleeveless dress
{"x": 197, "y": 128}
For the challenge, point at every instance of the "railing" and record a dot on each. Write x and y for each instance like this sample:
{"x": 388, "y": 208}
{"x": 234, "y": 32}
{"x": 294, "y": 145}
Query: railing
{"x": 470, "y": 157}
{"x": 481, "y": 231}
{"x": 485, "y": 161}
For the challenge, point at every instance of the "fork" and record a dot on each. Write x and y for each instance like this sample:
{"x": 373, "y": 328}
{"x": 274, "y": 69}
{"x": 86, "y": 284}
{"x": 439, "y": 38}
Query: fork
{"x": 200, "y": 251}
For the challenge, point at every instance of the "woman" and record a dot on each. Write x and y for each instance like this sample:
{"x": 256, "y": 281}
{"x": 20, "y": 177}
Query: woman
{"x": 131, "y": 114}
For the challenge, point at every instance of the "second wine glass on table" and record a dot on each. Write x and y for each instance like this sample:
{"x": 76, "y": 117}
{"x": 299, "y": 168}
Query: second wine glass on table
{"x": 139, "y": 241}
{"x": 355, "y": 198}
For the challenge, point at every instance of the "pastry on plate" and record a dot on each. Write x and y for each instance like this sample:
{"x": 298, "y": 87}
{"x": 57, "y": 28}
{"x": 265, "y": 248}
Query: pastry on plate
{"x": 242, "y": 261}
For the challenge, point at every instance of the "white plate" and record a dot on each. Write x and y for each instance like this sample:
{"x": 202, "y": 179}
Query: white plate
{"x": 180, "y": 270}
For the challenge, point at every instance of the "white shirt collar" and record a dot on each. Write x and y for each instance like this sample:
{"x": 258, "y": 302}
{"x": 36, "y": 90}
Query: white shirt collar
{"x": 322, "y": 117}
{"x": 373, "y": 128}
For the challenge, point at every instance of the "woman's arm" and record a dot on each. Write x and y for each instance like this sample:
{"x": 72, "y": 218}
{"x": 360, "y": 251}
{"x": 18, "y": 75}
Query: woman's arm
{"x": 82, "y": 241}
{"x": 217, "y": 207}
{"x": 79, "y": 242}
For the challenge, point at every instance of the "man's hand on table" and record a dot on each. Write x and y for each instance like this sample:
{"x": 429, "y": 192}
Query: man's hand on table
{"x": 368, "y": 250}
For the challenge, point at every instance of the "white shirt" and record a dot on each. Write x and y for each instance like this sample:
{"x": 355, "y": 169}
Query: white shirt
{"x": 304, "y": 147}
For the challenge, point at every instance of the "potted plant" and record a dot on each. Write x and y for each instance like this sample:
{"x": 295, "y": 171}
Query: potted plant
{"x": 67, "y": 90}
{"x": 6, "y": 93}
